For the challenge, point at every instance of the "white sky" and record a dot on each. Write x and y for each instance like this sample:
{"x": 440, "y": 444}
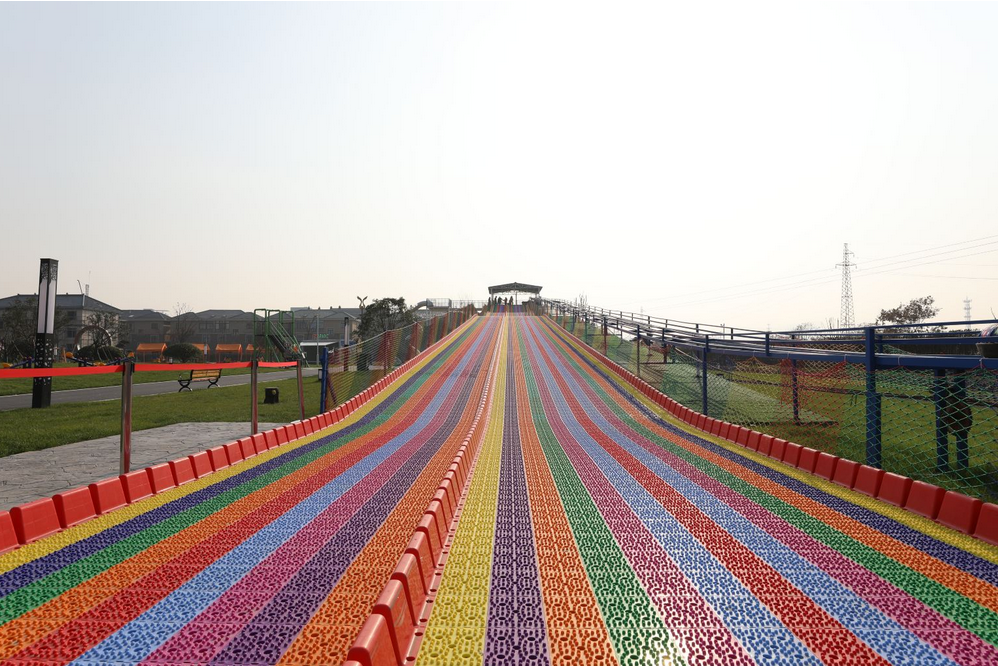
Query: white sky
{"x": 666, "y": 157}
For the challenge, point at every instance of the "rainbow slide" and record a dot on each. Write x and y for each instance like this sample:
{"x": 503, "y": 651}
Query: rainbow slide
{"x": 591, "y": 527}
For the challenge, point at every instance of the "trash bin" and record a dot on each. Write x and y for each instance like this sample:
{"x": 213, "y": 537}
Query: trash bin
{"x": 271, "y": 395}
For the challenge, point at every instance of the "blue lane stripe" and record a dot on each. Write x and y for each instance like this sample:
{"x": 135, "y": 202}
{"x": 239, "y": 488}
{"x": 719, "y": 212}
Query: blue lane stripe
{"x": 855, "y": 613}
{"x": 732, "y": 602}
{"x": 136, "y": 640}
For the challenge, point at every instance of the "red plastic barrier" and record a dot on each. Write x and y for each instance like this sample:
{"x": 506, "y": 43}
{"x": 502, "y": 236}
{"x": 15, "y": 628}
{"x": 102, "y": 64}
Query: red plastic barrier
{"x": 160, "y": 478}
{"x": 808, "y": 459}
{"x": 778, "y": 448}
{"x": 791, "y": 454}
{"x": 234, "y": 452}
{"x": 825, "y": 467}
{"x": 373, "y": 646}
{"x": 393, "y": 605}
{"x": 925, "y": 499}
{"x": 259, "y": 443}
{"x": 868, "y": 480}
{"x": 246, "y": 447}
{"x": 419, "y": 547}
{"x": 201, "y": 463}
{"x": 182, "y": 470}
{"x": 281, "y": 433}
{"x": 431, "y": 529}
{"x": 987, "y": 524}
{"x": 136, "y": 485}
{"x": 753, "y": 440}
{"x": 959, "y": 512}
{"x": 299, "y": 429}
{"x": 108, "y": 495}
{"x": 8, "y": 537}
{"x": 407, "y": 572}
{"x": 441, "y": 515}
{"x": 845, "y": 473}
{"x": 765, "y": 444}
{"x": 271, "y": 438}
{"x": 35, "y": 520}
{"x": 894, "y": 489}
{"x": 74, "y": 507}
{"x": 219, "y": 459}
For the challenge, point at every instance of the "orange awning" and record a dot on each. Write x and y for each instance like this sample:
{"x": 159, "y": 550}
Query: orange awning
{"x": 220, "y": 347}
{"x": 150, "y": 347}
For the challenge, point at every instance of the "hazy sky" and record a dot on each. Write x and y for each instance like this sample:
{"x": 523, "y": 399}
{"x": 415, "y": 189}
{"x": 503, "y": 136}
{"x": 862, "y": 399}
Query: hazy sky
{"x": 696, "y": 160}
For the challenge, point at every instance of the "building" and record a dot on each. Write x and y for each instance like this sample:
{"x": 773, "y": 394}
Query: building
{"x": 73, "y": 312}
{"x": 145, "y": 327}
{"x": 326, "y": 324}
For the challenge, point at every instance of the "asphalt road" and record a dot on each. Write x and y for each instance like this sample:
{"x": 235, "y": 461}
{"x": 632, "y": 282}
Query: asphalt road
{"x": 22, "y": 401}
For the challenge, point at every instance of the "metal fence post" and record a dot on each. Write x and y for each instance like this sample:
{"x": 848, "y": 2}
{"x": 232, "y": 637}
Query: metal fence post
{"x": 638, "y": 349}
{"x": 254, "y": 407}
{"x": 301, "y": 392}
{"x": 794, "y": 388}
{"x": 703, "y": 375}
{"x": 939, "y": 399}
{"x": 323, "y": 378}
{"x": 125, "y": 447}
{"x": 874, "y": 450}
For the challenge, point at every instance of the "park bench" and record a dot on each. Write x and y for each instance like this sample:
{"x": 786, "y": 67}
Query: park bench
{"x": 210, "y": 376}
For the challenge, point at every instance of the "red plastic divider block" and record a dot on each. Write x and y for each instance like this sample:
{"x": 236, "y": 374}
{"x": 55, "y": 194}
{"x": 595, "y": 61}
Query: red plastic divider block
{"x": 234, "y": 452}
{"x": 959, "y": 512}
{"x": 987, "y": 524}
{"x": 299, "y": 429}
{"x": 201, "y": 463}
{"x": 373, "y": 646}
{"x": 868, "y": 480}
{"x": 894, "y": 489}
{"x": 714, "y": 426}
{"x": 219, "y": 459}
{"x": 845, "y": 473}
{"x": 74, "y": 506}
{"x": 407, "y": 572}
{"x": 393, "y": 605}
{"x": 698, "y": 421}
{"x": 259, "y": 443}
{"x": 743, "y": 435}
{"x": 428, "y": 525}
{"x": 8, "y": 537}
{"x": 307, "y": 426}
{"x": 35, "y": 520}
{"x": 108, "y": 495}
{"x": 458, "y": 475}
{"x": 282, "y": 435}
{"x": 723, "y": 429}
{"x": 270, "y": 437}
{"x": 419, "y": 547}
{"x": 792, "y": 454}
{"x": 765, "y": 444}
{"x": 925, "y": 499}
{"x": 246, "y": 448}
{"x": 446, "y": 494}
{"x": 807, "y": 459}
{"x": 136, "y": 485}
{"x": 778, "y": 448}
{"x": 753, "y": 440}
{"x": 441, "y": 513}
{"x": 182, "y": 471}
{"x": 825, "y": 467}
{"x": 160, "y": 478}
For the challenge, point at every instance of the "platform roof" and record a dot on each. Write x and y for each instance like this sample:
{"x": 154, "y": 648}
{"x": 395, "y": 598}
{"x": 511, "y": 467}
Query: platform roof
{"x": 515, "y": 286}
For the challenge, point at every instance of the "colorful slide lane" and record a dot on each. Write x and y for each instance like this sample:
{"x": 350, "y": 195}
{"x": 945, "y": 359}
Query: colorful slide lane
{"x": 277, "y": 559}
{"x": 595, "y": 530}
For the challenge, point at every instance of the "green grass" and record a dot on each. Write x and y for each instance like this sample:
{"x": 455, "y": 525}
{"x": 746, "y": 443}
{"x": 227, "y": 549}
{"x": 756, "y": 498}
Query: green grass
{"x": 33, "y": 429}
{"x": 20, "y": 386}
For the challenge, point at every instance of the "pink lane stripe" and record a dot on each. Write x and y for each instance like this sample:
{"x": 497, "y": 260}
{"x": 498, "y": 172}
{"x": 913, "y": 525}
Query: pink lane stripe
{"x": 659, "y": 574}
{"x": 926, "y": 623}
{"x": 240, "y": 603}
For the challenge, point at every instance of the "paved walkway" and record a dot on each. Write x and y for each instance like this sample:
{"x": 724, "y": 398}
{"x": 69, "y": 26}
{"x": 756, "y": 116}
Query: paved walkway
{"x": 23, "y": 400}
{"x": 34, "y": 474}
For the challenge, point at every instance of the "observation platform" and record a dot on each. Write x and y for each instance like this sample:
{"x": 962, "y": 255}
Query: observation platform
{"x": 578, "y": 523}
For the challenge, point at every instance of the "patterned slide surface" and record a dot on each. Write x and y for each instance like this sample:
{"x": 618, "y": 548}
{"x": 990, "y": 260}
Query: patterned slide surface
{"x": 597, "y": 531}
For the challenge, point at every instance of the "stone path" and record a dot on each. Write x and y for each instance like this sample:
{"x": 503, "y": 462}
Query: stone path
{"x": 34, "y": 474}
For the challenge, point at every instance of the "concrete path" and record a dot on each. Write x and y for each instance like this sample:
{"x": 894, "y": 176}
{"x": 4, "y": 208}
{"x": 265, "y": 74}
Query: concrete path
{"x": 34, "y": 474}
{"x": 23, "y": 400}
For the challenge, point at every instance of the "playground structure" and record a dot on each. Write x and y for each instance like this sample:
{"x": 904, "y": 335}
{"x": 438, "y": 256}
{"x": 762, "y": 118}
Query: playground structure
{"x": 503, "y": 492}
{"x": 274, "y": 336}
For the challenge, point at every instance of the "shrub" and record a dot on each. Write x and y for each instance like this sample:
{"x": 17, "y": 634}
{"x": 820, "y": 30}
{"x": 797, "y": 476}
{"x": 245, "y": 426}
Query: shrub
{"x": 92, "y": 353}
{"x": 184, "y": 353}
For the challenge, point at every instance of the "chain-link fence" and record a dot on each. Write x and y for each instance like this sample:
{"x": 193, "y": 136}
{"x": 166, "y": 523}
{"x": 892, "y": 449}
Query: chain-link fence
{"x": 350, "y": 370}
{"x": 938, "y": 425}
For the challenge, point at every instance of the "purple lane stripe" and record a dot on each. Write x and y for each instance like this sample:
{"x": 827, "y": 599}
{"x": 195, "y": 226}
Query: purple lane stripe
{"x": 515, "y": 629}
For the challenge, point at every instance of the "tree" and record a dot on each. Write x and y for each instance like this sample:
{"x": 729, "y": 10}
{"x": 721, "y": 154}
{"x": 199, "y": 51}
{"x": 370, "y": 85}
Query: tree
{"x": 110, "y": 322}
{"x": 184, "y": 324}
{"x": 18, "y": 325}
{"x": 915, "y": 311}
{"x": 183, "y": 352}
{"x": 383, "y": 315}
